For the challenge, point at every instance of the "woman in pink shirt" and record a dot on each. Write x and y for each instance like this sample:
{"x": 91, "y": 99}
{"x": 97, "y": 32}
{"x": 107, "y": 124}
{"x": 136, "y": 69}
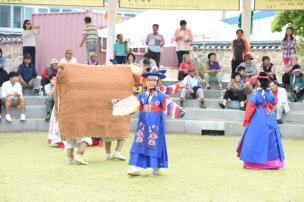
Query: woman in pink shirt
{"x": 183, "y": 38}
{"x": 184, "y": 67}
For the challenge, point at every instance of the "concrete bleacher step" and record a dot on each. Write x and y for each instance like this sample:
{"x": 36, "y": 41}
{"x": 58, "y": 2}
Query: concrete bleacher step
{"x": 188, "y": 103}
{"x": 229, "y": 128}
{"x": 211, "y": 93}
{"x": 29, "y": 125}
{"x": 234, "y": 115}
{"x": 213, "y": 85}
{"x": 34, "y": 100}
{"x": 31, "y": 112}
{"x": 196, "y": 119}
{"x": 213, "y": 103}
{"x": 172, "y": 126}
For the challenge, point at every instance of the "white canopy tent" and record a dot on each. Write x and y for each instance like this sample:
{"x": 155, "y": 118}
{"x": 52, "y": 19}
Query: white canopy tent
{"x": 205, "y": 26}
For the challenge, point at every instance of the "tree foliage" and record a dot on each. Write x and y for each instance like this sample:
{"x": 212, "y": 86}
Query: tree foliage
{"x": 294, "y": 19}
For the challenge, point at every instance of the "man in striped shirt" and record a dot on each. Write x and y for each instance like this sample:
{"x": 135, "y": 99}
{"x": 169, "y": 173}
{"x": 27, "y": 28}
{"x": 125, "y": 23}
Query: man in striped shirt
{"x": 89, "y": 36}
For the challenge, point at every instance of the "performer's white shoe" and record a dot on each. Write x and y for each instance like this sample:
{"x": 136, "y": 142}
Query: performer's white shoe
{"x": 156, "y": 172}
{"x": 71, "y": 161}
{"x": 79, "y": 160}
{"x": 118, "y": 156}
{"x": 109, "y": 156}
{"x": 134, "y": 171}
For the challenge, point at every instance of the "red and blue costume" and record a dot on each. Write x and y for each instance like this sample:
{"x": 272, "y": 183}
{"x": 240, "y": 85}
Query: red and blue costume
{"x": 260, "y": 146}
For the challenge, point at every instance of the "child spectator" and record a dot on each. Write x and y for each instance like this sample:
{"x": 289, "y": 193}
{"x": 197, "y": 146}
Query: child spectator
{"x": 235, "y": 92}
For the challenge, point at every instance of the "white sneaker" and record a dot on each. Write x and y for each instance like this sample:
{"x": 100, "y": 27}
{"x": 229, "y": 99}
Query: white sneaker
{"x": 220, "y": 86}
{"x": 8, "y": 117}
{"x": 79, "y": 160}
{"x": 109, "y": 156}
{"x": 133, "y": 172}
{"x": 156, "y": 172}
{"x": 22, "y": 117}
{"x": 118, "y": 156}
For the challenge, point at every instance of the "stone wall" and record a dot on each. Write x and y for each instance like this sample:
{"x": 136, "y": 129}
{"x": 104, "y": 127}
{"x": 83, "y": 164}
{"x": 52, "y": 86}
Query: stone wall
{"x": 13, "y": 55}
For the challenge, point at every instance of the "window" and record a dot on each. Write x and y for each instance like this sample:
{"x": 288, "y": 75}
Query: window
{"x": 5, "y": 16}
{"x": 17, "y": 17}
{"x": 43, "y": 10}
{"x": 28, "y": 12}
{"x": 66, "y": 10}
{"x": 54, "y": 10}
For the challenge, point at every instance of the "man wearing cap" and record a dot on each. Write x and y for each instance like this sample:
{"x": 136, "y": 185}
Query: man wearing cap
{"x": 193, "y": 87}
{"x": 297, "y": 84}
{"x": 49, "y": 72}
{"x": 28, "y": 75}
{"x": 240, "y": 48}
{"x": 149, "y": 146}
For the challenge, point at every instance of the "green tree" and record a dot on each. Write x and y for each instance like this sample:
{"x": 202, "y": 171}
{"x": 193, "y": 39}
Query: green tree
{"x": 295, "y": 19}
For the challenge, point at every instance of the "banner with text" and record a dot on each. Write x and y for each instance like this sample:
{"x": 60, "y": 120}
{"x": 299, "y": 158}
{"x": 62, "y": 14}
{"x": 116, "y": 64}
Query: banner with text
{"x": 182, "y": 4}
{"x": 84, "y": 3}
{"x": 279, "y": 4}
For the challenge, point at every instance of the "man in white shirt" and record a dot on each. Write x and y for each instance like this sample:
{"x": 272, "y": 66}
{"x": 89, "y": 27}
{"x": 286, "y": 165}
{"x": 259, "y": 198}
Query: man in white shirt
{"x": 12, "y": 96}
{"x": 193, "y": 88}
{"x": 282, "y": 100}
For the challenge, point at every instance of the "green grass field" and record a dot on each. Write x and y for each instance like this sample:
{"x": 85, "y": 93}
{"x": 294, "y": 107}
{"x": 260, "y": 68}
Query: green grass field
{"x": 202, "y": 168}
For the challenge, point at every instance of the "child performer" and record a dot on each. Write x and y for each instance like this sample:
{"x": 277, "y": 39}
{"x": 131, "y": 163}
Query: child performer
{"x": 149, "y": 146}
{"x": 261, "y": 146}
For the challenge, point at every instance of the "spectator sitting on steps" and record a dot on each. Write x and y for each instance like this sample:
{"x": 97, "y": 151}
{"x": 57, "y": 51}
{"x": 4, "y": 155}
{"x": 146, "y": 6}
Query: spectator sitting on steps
{"x": 282, "y": 100}
{"x": 268, "y": 68}
{"x": 50, "y": 90}
{"x": 212, "y": 71}
{"x": 184, "y": 67}
{"x": 12, "y": 96}
{"x": 235, "y": 92}
{"x": 250, "y": 70}
{"x": 49, "y": 72}
{"x": 28, "y": 75}
{"x": 192, "y": 88}
{"x": 147, "y": 57}
{"x": 297, "y": 84}
{"x": 93, "y": 59}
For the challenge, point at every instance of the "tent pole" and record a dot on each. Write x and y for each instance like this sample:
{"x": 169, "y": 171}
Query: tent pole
{"x": 112, "y": 12}
{"x": 246, "y": 18}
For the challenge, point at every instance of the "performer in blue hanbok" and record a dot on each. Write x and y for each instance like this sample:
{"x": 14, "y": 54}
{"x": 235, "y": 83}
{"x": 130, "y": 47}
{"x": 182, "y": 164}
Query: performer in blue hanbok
{"x": 261, "y": 146}
{"x": 149, "y": 146}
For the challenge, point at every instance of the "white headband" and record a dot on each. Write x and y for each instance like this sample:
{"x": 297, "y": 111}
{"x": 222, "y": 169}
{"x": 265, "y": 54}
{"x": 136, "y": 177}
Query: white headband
{"x": 153, "y": 77}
